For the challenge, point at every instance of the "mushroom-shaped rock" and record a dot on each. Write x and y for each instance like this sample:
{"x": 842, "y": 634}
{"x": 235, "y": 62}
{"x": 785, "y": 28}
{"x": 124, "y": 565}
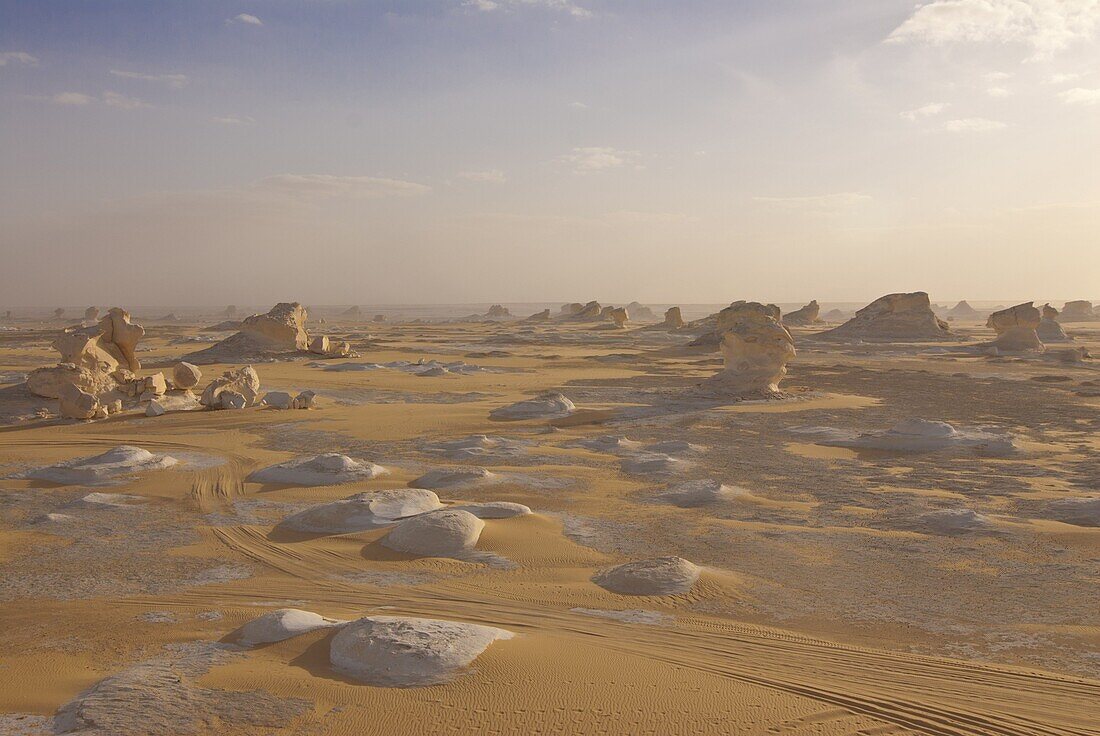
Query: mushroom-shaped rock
{"x": 241, "y": 381}
{"x": 804, "y": 317}
{"x": 75, "y": 403}
{"x": 186, "y": 375}
{"x": 755, "y": 347}
{"x": 550, "y": 405}
{"x": 673, "y": 319}
{"x": 437, "y": 534}
{"x": 893, "y": 317}
{"x": 280, "y": 625}
{"x": 391, "y": 651}
{"x": 363, "y": 511}
{"x": 1049, "y": 330}
{"x": 319, "y": 470}
{"x": 1015, "y": 328}
{"x": 658, "y": 576}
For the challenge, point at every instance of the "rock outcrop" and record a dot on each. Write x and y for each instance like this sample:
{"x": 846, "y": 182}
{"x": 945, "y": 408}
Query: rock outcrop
{"x": 235, "y": 389}
{"x": 756, "y": 348}
{"x": 186, "y": 376}
{"x": 77, "y": 404}
{"x": 262, "y": 336}
{"x": 91, "y": 314}
{"x": 640, "y": 313}
{"x": 962, "y": 310}
{"x": 673, "y": 319}
{"x": 543, "y": 316}
{"x": 904, "y": 317}
{"x": 1049, "y": 330}
{"x": 120, "y": 337}
{"x": 1079, "y": 311}
{"x": 498, "y": 312}
{"x": 618, "y": 317}
{"x": 804, "y": 317}
{"x": 323, "y": 345}
{"x": 1015, "y": 328}
{"x": 352, "y": 313}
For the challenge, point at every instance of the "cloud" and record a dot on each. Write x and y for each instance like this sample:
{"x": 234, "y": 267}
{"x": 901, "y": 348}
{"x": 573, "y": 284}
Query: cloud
{"x": 999, "y": 92}
{"x": 818, "y": 204}
{"x": 246, "y": 19}
{"x": 71, "y": 98}
{"x": 1080, "y": 96}
{"x": 595, "y": 159}
{"x": 925, "y": 111}
{"x": 1063, "y": 78}
{"x": 114, "y": 99}
{"x": 973, "y": 125}
{"x": 18, "y": 57}
{"x": 233, "y": 119}
{"x": 1047, "y": 26}
{"x": 327, "y": 186}
{"x": 494, "y": 176}
{"x": 175, "y": 81}
{"x": 578, "y": 105}
{"x": 565, "y": 6}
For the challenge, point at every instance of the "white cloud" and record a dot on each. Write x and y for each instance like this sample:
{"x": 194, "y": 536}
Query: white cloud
{"x": 176, "y": 81}
{"x": 818, "y": 204}
{"x": 1063, "y": 78}
{"x": 566, "y": 6}
{"x": 973, "y": 125}
{"x": 247, "y": 19}
{"x": 114, "y": 99}
{"x": 1047, "y": 26}
{"x": 19, "y": 57}
{"x": 327, "y": 186}
{"x": 999, "y": 92}
{"x": 233, "y": 119}
{"x": 578, "y": 105}
{"x": 493, "y": 176}
{"x": 924, "y": 111}
{"x": 594, "y": 159}
{"x": 997, "y": 76}
{"x": 71, "y": 98}
{"x": 1080, "y": 96}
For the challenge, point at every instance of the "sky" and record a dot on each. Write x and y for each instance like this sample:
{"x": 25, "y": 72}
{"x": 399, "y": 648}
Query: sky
{"x": 469, "y": 151}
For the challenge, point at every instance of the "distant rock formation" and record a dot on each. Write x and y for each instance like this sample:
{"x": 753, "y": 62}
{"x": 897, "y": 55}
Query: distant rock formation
{"x": 709, "y": 336}
{"x": 835, "y": 315}
{"x": 262, "y": 336}
{"x": 1079, "y": 311}
{"x": 323, "y": 345}
{"x": 91, "y": 314}
{"x": 59, "y": 313}
{"x": 1015, "y": 328}
{"x": 804, "y": 317}
{"x": 378, "y": 318}
{"x": 1049, "y": 329}
{"x": 640, "y": 313}
{"x": 543, "y": 316}
{"x": 962, "y": 310}
{"x": 904, "y": 317}
{"x": 590, "y": 312}
{"x": 351, "y": 313}
{"x": 498, "y": 312}
{"x": 570, "y": 310}
{"x": 618, "y": 317}
{"x": 756, "y": 348}
{"x": 673, "y": 319}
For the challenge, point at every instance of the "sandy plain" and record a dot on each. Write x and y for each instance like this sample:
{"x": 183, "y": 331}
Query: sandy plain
{"x": 826, "y": 604}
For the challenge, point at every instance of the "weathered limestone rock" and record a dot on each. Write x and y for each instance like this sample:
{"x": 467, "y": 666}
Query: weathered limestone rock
{"x": 637, "y": 312}
{"x": 47, "y": 382}
{"x": 1015, "y": 328}
{"x": 82, "y": 348}
{"x": 352, "y": 313}
{"x": 153, "y": 386}
{"x": 1079, "y": 311}
{"x": 305, "y": 400}
{"x": 1049, "y": 330}
{"x": 543, "y": 316}
{"x": 804, "y": 317}
{"x": 590, "y": 312}
{"x": 571, "y": 309}
{"x": 498, "y": 312}
{"x": 240, "y": 382}
{"x": 962, "y": 310}
{"x": 91, "y": 314}
{"x": 185, "y": 375}
{"x": 893, "y": 317}
{"x": 278, "y": 400}
{"x": 230, "y": 311}
{"x": 673, "y": 319}
{"x": 320, "y": 345}
{"x": 756, "y": 348}
{"x": 283, "y": 327}
{"x": 618, "y": 317}
{"x": 77, "y": 404}
{"x": 120, "y": 337}
{"x": 155, "y": 409}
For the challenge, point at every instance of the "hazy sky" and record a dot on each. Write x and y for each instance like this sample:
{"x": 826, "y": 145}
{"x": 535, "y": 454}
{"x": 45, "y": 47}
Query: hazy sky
{"x": 339, "y": 152}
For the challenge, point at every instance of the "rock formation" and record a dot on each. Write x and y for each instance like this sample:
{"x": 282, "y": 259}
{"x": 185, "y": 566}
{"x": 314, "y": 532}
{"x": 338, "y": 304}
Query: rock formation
{"x": 835, "y": 315}
{"x": 363, "y": 511}
{"x": 673, "y": 319}
{"x": 658, "y": 576}
{"x": 120, "y": 337}
{"x": 962, "y": 310}
{"x": 804, "y": 317}
{"x": 91, "y": 314}
{"x": 323, "y": 345}
{"x": 280, "y": 625}
{"x": 186, "y": 376}
{"x": 1049, "y": 329}
{"x": 543, "y": 316}
{"x": 756, "y": 348}
{"x": 905, "y": 317}
{"x": 570, "y": 310}
{"x": 59, "y": 313}
{"x": 281, "y": 330}
{"x": 329, "y": 469}
{"x": 618, "y": 317}
{"x": 1079, "y": 311}
{"x": 235, "y": 389}
{"x": 550, "y": 405}
{"x": 77, "y": 404}
{"x": 1015, "y": 328}
{"x": 352, "y": 313}
{"x": 640, "y": 313}
{"x": 497, "y": 312}
{"x": 230, "y": 311}
{"x": 442, "y": 533}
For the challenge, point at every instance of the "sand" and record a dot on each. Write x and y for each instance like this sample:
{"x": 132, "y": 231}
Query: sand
{"x": 839, "y": 589}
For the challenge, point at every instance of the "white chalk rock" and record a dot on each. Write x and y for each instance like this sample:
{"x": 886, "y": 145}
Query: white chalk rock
{"x": 658, "y": 576}
{"x": 76, "y": 404}
{"x": 550, "y": 405}
{"x": 363, "y": 511}
{"x": 756, "y": 348}
{"x": 390, "y": 651}
{"x": 278, "y": 400}
{"x": 155, "y": 409}
{"x": 1016, "y": 329}
{"x": 120, "y": 461}
{"x": 305, "y": 400}
{"x": 453, "y": 478}
{"x": 695, "y": 493}
{"x": 185, "y": 375}
{"x": 893, "y": 317}
{"x": 241, "y": 381}
{"x": 494, "y": 509}
{"x": 319, "y": 470}
{"x": 282, "y": 624}
{"x": 436, "y": 534}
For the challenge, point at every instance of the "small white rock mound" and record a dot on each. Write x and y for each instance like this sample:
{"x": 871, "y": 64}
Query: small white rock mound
{"x": 953, "y": 521}
{"x": 280, "y": 625}
{"x": 494, "y": 509}
{"x": 453, "y": 478}
{"x": 103, "y": 468}
{"x": 920, "y": 435}
{"x": 657, "y": 576}
{"x": 436, "y": 534}
{"x": 1077, "y": 511}
{"x": 390, "y": 651}
{"x": 654, "y": 464}
{"x": 550, "y": 405}
{"x": 695, "y": 493}
{"x": 363, "y": 511}
{"x": 329, "y": 469}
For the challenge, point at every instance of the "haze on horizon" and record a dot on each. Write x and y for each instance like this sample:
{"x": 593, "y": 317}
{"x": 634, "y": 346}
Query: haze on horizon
{"x": 464, "y": 151}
